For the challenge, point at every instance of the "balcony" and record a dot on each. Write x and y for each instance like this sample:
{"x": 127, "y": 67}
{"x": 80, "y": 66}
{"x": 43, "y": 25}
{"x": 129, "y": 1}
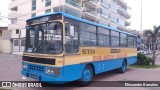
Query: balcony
{"x": 121, "y": 10}
{"x": 127, "y": 23}
{"x": 122, "y": 3}
{"x": 15, "y": 3}
{"x": 16, "y": 25}
{"x": 74, "y": 3}
{"x": 90, "y": 11}
{"x": 90, "y": 17}
{"x": 90, "y": 2}
{"x": 127, "y": 15}
{"x": 103, "y": 17}
{"x": 13, "y": 15}
{"x": 120, "y": 27}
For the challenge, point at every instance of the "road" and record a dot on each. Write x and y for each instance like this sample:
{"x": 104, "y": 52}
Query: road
{"x": 10, "y": 67}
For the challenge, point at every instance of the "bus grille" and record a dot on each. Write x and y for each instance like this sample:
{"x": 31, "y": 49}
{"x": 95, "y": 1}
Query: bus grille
{"x": 39, "y": 60}
{"x": 36, "y": 68}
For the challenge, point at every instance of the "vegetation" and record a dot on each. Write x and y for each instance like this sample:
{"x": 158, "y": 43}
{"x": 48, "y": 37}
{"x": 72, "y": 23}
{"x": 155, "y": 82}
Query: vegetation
{"x": 143, "y": 59}
{"x": 144, "y": 62}
{"x": 152, "y": 35}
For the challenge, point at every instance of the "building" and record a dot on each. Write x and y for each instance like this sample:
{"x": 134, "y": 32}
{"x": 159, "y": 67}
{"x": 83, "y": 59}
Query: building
{"x": 5, "y": 46}
{"x": 112, "y": 13}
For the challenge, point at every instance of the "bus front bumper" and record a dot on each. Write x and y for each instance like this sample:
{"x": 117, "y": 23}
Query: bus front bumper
{"x": 44, "y": 77}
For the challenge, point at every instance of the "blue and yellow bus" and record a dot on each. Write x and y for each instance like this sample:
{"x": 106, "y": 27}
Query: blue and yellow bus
{"x": 61, "y": 48}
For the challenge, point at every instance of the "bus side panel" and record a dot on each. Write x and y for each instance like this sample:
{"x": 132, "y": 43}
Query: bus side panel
{"x": 107, "y": 65}
{"x": 73, "y": 72}
{"x": 131, "y": 60}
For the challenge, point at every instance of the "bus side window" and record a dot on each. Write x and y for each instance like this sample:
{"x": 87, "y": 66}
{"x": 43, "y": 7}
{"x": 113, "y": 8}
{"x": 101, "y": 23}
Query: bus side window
{"x": 72, "y": 43}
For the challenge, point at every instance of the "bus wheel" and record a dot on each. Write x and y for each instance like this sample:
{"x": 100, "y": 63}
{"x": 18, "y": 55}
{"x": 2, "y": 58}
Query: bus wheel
{"x": 122, "y": 69}
{"x": 87, "y": 76}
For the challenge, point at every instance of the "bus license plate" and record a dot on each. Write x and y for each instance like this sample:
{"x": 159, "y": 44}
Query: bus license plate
{"x": 34, "y": 76}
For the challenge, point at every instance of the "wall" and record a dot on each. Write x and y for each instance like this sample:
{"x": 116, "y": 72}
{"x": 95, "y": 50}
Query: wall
{"x": 5, "y": 44}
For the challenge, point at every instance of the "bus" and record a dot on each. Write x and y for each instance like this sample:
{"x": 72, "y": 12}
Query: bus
{"x": 61, "y": 48}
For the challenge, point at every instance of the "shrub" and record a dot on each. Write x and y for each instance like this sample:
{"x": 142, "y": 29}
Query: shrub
{"x": 143, "y": 60}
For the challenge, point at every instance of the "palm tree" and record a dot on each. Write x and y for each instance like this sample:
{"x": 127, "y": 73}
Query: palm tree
{"x": 153, "y": 35}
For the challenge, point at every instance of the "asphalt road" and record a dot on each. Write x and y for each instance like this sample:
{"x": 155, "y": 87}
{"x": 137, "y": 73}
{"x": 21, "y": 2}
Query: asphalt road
{"x": 10, "y": 67}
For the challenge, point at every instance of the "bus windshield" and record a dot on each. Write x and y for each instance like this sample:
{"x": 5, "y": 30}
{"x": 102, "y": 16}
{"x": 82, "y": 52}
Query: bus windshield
{"x": 44, "y": 38}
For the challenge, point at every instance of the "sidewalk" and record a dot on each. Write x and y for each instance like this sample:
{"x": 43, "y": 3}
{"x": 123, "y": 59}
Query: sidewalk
{"x": 10, "y": 57}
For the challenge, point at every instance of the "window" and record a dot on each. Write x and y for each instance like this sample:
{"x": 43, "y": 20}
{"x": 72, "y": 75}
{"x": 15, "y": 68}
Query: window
{"x": 72, "y": 43}
{"x": 135, "y": 42}
{"x": 33, "y": 5}
{"x": 14, "y": 8}
{"x": 88, "y": 38}
{"x": 88, "y": 27}
{"x": 88, "y": 35}
{"x": 105, "y": 2}
{"x": 48, "y": 11}
{"x": 17, "y": 31}
{"x": 113, "y": 17}
{"x": 103, "y": 12}
{"x": 113, "y": 7}
{"x": 123, "y": 40}
{"x": 130, "y": 41}
{"x": 16, "y": 42}
{"x": 103, "y": 22}
{"x": 103, "y": 40}
{"x": 48, "y": 3}
{"x": 103, "y": 37}
{"x": 33, "y": 15}
{"x": 113, "y": 26}
{"x": 114, "y": 41}
{"x": 56, "y": 9}
{"x": 44, "y": 38}
{"x": 114, "y": 33}
{"x": 70, "y": 11}
{"x": 114, "y": 38}
{"x": 121, "y": 21}
{"x": 13, "y": 20}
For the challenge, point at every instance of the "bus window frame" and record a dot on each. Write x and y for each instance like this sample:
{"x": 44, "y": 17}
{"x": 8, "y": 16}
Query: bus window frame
{"x": 74, "y": 23}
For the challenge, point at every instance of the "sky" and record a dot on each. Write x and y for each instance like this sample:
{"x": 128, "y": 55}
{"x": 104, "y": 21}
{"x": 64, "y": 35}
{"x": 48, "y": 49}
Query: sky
{"x": 4, "y": 12}
{"x": 151, "y": 13}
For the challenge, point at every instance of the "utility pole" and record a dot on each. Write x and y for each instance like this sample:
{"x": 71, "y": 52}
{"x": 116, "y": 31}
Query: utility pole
{"x": 141, "y": 23}
{"x": 59, "y": 5}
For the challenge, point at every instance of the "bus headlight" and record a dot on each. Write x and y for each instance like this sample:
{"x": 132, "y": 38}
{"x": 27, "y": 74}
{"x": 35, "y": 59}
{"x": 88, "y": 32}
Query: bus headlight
{"x": 24, "y": 66}
{"x": 50, "y": 70}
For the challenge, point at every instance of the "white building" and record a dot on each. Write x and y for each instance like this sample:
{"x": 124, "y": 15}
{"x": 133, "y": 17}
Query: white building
{"x": 113, "y": 13}
{"x": 5, "y": 45}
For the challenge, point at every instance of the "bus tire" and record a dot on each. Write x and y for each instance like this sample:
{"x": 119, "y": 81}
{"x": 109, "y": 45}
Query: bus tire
{"x": 122, "y": 69}
{"x": 87, "y": 76}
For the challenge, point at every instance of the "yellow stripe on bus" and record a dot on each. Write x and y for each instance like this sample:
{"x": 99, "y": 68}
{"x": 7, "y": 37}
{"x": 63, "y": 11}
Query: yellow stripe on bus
{"x": 90, "y": 54}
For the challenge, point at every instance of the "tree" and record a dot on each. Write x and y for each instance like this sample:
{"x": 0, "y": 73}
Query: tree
{"x": 153, "y": 35}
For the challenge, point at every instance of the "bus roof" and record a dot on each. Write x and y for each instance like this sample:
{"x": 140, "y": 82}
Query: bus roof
{"x": 82, "y": 20}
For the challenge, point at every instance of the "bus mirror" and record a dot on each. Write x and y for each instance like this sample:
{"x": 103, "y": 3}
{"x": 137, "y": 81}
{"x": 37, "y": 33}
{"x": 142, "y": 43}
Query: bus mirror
{"x": 72, "y": 31}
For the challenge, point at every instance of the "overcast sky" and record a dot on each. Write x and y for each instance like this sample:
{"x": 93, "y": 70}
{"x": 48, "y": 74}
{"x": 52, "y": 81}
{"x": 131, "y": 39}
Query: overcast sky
{"x": 4, "y": 12}
{"x": 151, "y": 13}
